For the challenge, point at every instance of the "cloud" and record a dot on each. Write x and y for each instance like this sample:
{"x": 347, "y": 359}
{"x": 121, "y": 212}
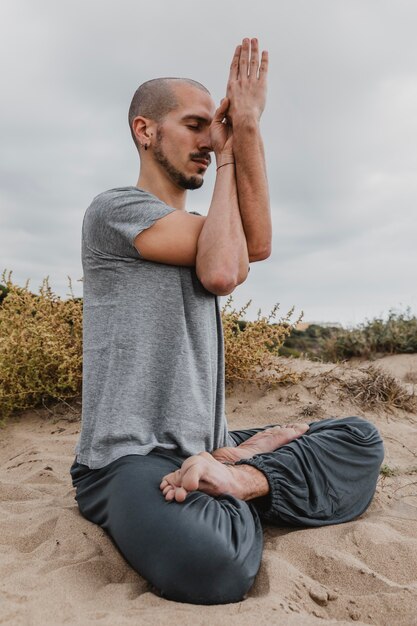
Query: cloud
{"x": 340, "y": 135}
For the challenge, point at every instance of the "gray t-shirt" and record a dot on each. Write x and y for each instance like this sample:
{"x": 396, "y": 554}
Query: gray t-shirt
{"x": 153, "y": 353}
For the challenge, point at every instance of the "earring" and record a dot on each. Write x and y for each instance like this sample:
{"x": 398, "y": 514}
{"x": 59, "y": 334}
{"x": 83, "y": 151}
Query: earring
{"x": 146, "y": 146}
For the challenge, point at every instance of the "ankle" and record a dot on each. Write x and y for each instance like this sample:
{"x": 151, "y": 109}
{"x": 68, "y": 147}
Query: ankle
{"x": 250, "y": 482}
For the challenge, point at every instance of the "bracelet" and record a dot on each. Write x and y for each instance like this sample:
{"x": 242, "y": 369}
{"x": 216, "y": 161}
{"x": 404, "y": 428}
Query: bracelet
{"x": 228, "y": 163}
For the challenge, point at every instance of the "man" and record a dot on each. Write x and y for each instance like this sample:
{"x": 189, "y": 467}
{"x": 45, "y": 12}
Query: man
{"x": 155, "y": 465}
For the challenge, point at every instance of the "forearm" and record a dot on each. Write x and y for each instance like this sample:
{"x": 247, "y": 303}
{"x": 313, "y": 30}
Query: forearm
{"x": 222, "y": 256}
{"x": 252, "y": 186}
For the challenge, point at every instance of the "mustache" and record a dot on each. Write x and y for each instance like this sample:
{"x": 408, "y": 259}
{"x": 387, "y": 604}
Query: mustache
{"x": 201, "y": 155}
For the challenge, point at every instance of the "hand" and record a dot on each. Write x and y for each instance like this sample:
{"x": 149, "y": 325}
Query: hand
{"x": 246, "y": 90}
{"x": 221, "y": 131}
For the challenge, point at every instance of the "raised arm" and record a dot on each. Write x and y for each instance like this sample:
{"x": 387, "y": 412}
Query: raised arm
{"x": 222, "y": 260}
{"x": 215, "y": 244}
{"x": 246, "y": 90}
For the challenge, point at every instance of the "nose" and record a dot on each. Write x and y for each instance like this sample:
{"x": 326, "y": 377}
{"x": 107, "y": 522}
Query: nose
{"x": 204, "y": 141}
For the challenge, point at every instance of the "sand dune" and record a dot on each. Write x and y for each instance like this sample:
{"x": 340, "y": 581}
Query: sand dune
{"x": 58, "y": 568}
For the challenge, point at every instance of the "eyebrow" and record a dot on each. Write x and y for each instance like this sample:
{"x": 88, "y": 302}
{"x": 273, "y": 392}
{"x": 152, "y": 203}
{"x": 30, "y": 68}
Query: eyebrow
{"x": 198, "y": 118}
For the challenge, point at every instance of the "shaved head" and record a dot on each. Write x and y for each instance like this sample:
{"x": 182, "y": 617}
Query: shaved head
{"x": 156, "y": 98}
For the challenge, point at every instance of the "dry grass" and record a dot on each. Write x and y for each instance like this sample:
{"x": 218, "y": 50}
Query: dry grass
{"x": 410, "y": 377}
{"x": 250, "y": 347}
{"x": 40, "y": 347}
{"x": 372, "y": 388}
{"x": 313, "y": 409}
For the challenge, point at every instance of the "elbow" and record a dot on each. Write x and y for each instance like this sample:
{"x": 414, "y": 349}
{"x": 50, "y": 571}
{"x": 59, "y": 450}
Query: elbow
{"x": 261, "y": 255}
{"x": 220, "y": 280}
{"x": 220, "y": 286}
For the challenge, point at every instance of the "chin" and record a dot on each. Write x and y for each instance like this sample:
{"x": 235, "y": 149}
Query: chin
{"x": 194, "y": 182}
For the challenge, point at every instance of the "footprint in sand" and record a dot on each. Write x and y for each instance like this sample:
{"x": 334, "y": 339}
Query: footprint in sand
{"x": 31, "y": 538}
{"x": 43, "y": 476}
{"x": 15, "y": 492}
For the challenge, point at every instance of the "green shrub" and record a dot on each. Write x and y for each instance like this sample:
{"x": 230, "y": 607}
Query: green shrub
{"x": 309, "y": 342}
{"x": 395, "y": 335}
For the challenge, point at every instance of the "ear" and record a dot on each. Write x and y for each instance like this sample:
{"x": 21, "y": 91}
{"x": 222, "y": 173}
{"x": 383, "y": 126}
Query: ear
{"x": 143, "y": 129}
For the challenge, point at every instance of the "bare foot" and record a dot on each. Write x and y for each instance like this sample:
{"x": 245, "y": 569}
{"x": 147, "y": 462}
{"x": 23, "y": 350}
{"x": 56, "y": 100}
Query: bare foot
{"x": 205, "y": 473}
{"x": 266, "y": 441}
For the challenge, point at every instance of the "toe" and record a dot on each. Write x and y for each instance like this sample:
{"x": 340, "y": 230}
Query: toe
{"x": 170, "y": 495}
{"x": 180, "y": 494}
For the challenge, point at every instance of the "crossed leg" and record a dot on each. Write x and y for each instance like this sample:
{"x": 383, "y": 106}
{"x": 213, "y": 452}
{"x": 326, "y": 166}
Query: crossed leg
{"x": 207, "y": 550}
{"x": 327, "y": 475}
{"x": 215, "y": 473}
{"x": 204, "y": 551}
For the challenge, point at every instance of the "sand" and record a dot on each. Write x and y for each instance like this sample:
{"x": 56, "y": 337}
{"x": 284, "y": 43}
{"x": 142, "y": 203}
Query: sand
{"x": 58, "y": 568}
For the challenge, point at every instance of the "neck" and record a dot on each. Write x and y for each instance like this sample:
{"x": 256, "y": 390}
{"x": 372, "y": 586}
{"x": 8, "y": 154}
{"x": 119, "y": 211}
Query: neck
{"x": 156, "y": 182}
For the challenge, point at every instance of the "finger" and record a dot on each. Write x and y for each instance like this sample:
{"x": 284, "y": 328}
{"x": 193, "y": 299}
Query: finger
{"x": 221, "y": 110}
{"x": 263, "y": 69}
{"x": 224, "y": 105}
{"x": 254, "y": 59}
{"x": 234, "y": 66}
{"x": 163, "y": 484}
{"x": 244, "y": 59}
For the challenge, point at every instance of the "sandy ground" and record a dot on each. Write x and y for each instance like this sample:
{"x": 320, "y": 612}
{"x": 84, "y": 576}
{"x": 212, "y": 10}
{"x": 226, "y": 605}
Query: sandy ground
{"x": 58, "y": 568}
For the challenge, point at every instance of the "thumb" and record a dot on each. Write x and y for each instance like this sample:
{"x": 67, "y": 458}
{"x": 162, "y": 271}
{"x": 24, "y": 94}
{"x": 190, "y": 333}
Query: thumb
{"x": 221, "y": 111}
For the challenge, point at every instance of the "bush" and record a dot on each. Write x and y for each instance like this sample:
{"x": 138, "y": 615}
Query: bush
{"x": 309, "y": 342}
{"x": 40, "y": 347}
{"x": 372, "y": 388}
{"x": 395, "y": 335}
{"x": 250, "y": 346}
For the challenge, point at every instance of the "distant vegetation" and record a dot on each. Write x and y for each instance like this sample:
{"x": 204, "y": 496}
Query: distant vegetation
{"x": 377, "y": 337}
{"x": 41, "y": 348}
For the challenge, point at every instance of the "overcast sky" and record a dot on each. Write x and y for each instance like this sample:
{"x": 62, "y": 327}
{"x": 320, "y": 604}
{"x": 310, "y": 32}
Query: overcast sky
{"x": 340, "y": 133}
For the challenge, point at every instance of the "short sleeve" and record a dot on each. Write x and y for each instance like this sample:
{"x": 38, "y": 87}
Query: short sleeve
{"x": 116, "y": 217}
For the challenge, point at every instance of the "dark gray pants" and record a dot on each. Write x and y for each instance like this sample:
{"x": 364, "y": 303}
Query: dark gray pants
{"x": 208, "y": 550}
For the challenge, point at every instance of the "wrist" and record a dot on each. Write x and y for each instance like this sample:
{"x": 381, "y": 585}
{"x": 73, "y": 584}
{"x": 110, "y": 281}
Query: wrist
{"x": 227, "y": 164}
{"x": 224, "y": 157}
{"x": 245, "y": 121}
{"x": 251, "y": 482}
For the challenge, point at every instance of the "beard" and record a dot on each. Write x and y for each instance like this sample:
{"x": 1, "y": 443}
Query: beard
{"x": 177, "y": 177}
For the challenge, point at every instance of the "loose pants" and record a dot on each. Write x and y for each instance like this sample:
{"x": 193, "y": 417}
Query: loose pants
{"x": 207, "y": 550}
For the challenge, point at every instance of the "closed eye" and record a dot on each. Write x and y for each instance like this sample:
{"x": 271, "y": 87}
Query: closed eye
{"x": 193, "y": 127}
